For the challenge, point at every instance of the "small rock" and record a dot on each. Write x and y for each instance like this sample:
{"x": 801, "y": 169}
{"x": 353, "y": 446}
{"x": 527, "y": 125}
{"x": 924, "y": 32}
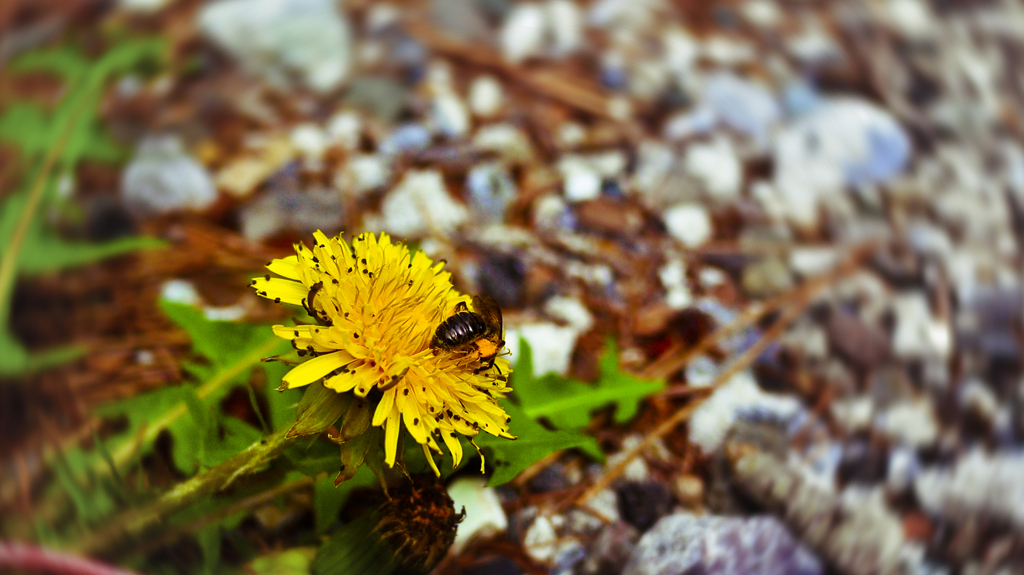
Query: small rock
{"x": 362, "y": 174}
{"x": 485, "y": 516}
{"x": 673, "y": 278}
{"x": 507, "y": 141}
{"x": 551, "y": 345}
{"x": 420, "y": 205}
{"x": 844, "y": 142}
{"x": 688, "y": 223}
{"x": 552, "y": 214}
{"x": 291, "y": 210}
{"x": 565, "y": 22}
{"x": 540, "y": 540}
{"x": 813, "y": 261}
{"x": 486, "y": 96}
{"x": 162, "y": 178}
{"x": 766, "y": 278}
{"x": 902, "y": 469}
{"x": 503, "y": 277}
{"x": 382, "y": 97}
{"x": 581, "y": 183}
{"x": 918, "y": 334}
{"x": 450, "y": 115}
{"x": 745, "y": 106}
{"x": 522, "y": 34}
{"x": 345, "y": 129}
{"x": 180, "y": 291}
{"x": 266, "y": 158}
{"x": 739, "y": 398}
{"x": 278, "y": 38}
{"x": 460, "y": 19}
{"x": 688, "y": 124}
{"x": 689, "y": 490}
{"x": 683, "y": 543}
{"x": 610, "y": 550}
{"x": 978, "y": 485}
{"x": 571, "y": 311}
{"x": 716, "y": 165}
{"x": 311, "y": 142}
{"x": 862, "y": 345}
{"x": 642, "y": 504}
{"x": 912, "y": 423}
{"x": 406, "y": 139}
{"x": 491, "y": 190}
{"x": 854, "y": 415}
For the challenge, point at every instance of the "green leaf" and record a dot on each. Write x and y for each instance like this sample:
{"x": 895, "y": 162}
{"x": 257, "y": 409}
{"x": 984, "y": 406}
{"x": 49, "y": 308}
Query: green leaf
{"x": 510, "y": 457}
{"x": 568, "y": 403}
{"x": 74, "y": 127}
{"x": 201, "y": 435}
{"x": 295, "y": 561}
{"x": 355, "y": 549}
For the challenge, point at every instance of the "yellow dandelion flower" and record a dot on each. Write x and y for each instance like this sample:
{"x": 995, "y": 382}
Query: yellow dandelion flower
{"x": 377, "y": 306}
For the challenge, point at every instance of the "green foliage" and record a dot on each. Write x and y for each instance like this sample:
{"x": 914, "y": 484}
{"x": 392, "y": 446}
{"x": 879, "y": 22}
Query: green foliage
{"x": 75, "y": 129}
{"x": 355, "y": 549}
{"x": 533, "y": 444}
{"x": 294, "y": 561}
{"x": 568, "y": 403}
{"x": 565, "y": 403}
{"x": 201, "y": 434}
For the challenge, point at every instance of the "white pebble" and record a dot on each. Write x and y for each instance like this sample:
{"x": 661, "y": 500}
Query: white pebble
{"x": 551, "y": 345}
{"x": 180, "y": 291}
{"x": 540, "y": 540}
{"x": 581, "y": 182}
{"x": 522, "y": 34}
{"x": 363, "y": 173}
{"x": 570, "y": 310}
{"x": 484, "y": 517}
{"x": 710, "y": 423}
{"x": 911, "y": 423}
{"x": 918, "y": 334}
{"x": 311, "y": 142}
{"x": 566, "y": 26}
{"x": 277, "y": 39}
{"x": 486, "y": 96}
{"x": 688, "y": 223}
{"x": 450, "y": 115}
{"x": 673, "y": 278}
{"x": 420, "y": 205}
{"x": 162, "y": 178}
{"x": 344, "y": 129}
{"x": 716, "y": 165}
{"x": 813, "y": 261}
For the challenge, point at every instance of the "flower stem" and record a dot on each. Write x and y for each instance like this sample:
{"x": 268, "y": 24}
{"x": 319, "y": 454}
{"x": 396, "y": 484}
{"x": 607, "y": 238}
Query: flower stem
{"x": 135, "y": 523}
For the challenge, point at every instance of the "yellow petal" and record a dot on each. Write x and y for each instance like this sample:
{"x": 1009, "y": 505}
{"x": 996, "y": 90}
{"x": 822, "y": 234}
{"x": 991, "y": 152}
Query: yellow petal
{"x": 285, "y": 267}
{"x": 313, "y": 369}
{"x": 454, "y": 446}
{"x": 288, "y": 291}
{"x": 430, "y": 460}
{"x": 384, "y": 408}
{"x": 413, "y": 423}
{"x": 391, "y": 428}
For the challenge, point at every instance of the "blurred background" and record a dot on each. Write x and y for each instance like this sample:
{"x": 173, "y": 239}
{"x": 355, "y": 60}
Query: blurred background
{"x": 841, "y": 183}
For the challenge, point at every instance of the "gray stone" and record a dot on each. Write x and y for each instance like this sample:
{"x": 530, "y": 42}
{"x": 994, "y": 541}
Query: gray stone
{"x": 684, "y": 544}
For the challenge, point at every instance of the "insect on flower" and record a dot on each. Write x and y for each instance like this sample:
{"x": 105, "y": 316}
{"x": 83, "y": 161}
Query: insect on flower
{"x": 392, "y": 330}
{"x": 478, "y": 334}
